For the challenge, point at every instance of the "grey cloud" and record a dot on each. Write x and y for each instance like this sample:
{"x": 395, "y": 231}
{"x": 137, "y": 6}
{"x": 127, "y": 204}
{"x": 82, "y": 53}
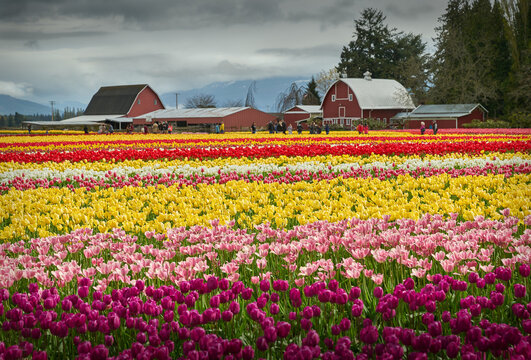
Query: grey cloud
{"x": 36, "y": 35}
{"x": 32, "y": 44}
{"x": 320, "y": 50}
{"x": 148, "y": 14}
{"x": 410, "y": 10}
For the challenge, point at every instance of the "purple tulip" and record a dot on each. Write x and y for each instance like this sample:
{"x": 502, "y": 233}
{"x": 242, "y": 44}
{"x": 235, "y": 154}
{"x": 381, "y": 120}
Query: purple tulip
{"x": 247, "y": 293}
{"x": 248, "y": 353}
{"x": 519, "y": 290}
{"x": 354, "y": 293}
{"x": 452, "y": 350}
{"x": 378, "y": 292}
{"x": 336, "y": 330}
{"x": 265, "y": 285}
{"x": 270, "y": 334}
{"x": 345, "y": 324}
{"x": 409, "y": 283}
{"x": 99, "y": 352}
{"x": 283, "y": 329}
{"x": 227, "y": 315}
{"x": 524, "y": 270}
{"x": 212, "y": 284}
{"x": 234, "y": 307}
{"x": 306, "y": 324}
{"x": 369, "y": 334}
{"x": 295, "y": 297}
{"x": 274, "y": 309}
{"x": 83, "y": 291}
{"x": 261, "y": 343}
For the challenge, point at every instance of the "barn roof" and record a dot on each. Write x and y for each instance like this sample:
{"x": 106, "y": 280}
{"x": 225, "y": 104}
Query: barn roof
{"x": 441, "y": 111}
{"x": 82, "y": 120}
{"x": 192, "y": 113}
{"x": 311, "y": 109}
{"x": 379, "y": 93}
{"x": 114, "y": 99}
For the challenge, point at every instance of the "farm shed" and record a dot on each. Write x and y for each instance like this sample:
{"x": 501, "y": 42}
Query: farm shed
{"x": 234, "y": 118}
{"x": 301, "y": 113}
{"x": 350, "y": 99}
{"x": 448, "y": 116}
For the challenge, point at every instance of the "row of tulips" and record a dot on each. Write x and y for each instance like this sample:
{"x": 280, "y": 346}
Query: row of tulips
{"x": 216, "y": 319}
{"x": 403, "y": 148}
{"x": 375, "y": 250}
{"x": 113, "y": 180}
{"x": 152, "y": 173}
{"x": 46, "y": 211}
{"x": 142, "y": 141}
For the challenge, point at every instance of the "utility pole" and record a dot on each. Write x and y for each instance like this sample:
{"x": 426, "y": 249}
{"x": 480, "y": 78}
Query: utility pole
{"x": 52, "y": 103}
{"x": 176, "y": 101}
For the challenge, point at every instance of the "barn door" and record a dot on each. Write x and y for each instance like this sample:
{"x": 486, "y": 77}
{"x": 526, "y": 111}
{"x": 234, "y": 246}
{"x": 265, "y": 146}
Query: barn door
{"x": 341, "y": 111}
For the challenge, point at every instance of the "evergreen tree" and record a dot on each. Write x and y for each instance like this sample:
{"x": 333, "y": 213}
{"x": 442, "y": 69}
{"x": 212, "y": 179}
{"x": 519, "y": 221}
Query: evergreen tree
{"x": 311, "y": 96}
{"x": 385, "y": 52}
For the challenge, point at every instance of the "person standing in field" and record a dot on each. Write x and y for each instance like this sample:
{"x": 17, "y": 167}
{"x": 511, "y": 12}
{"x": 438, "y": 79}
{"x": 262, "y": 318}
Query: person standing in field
{"x": 222, "y": 128}
{"x": 253, "y": 128}
{"x": 435, "y": 127}
{"x": 422, "y": 128}
{"x": 290, "y": 129}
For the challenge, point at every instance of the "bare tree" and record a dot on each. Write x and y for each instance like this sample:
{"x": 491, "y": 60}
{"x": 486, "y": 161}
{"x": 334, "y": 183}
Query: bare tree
{"x": 325, "y": 79}
{"x": 249, "y": 100}
{"x": 291, "y": 97}
{"x": 233, "y": 103}
{"x": 201, "y": 101}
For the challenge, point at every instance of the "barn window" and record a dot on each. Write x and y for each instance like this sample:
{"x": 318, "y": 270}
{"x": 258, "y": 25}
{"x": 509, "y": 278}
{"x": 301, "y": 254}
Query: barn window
{"x": 349, "y": 97}
{"x": 333, "y": 98}
{"x": 155, "y": 101}
{"x": 138, "y": 102}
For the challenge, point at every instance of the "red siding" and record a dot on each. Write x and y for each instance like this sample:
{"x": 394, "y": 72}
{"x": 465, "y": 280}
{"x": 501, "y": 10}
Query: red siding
{"x": 341, "y": 91}
{"x": 293, "y": 118}
{"x": 242, "y": 120}
{"x": 477, "y": 114}
{"x": 149, "y": 101}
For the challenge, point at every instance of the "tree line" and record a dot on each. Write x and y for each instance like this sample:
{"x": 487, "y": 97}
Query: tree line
{"x": 16, "y": 119}
{"x": 481, "y": 55}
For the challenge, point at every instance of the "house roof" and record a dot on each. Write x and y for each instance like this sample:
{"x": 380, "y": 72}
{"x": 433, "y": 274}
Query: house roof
{"x": 114, "y": 99}
{"x": 440, "y": 111}
{"x": 379, "y": 93}
{"x": 311, "y": 109}
{"x": 192, "y": 113}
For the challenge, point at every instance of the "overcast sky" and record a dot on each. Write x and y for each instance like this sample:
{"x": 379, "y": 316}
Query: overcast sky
{"x": 64, "y": 50}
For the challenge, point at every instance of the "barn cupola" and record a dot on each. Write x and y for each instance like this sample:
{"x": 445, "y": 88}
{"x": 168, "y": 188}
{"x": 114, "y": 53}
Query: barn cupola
{"x": 367, "y": 75}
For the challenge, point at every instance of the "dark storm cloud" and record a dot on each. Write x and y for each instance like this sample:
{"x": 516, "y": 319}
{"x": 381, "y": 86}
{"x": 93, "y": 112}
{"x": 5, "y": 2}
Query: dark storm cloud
{"x": 320, "y": 50}
{"x": 148, "y": 14}
{"x": 409, "y": 10}
{"x": 39, "y": 35}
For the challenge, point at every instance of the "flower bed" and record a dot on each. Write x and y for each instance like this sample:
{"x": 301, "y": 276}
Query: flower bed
{"x": 343, "y": 247}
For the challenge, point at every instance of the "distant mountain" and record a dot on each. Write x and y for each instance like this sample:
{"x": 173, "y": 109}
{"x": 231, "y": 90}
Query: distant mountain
{"x": 267, "y": 91}
{"x": 11, "y": 105}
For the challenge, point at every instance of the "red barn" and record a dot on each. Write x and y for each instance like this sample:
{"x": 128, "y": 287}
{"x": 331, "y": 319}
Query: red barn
{"x": 300, "y": 113}
{"x": 448, "y": 116}
{"x": 234, "y": 118}
{"x": 113, "y": 104}
{"x": 349, "y": 100}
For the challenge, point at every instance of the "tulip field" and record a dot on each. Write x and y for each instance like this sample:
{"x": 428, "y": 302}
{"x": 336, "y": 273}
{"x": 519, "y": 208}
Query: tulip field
{"x": 390, "y": 245}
